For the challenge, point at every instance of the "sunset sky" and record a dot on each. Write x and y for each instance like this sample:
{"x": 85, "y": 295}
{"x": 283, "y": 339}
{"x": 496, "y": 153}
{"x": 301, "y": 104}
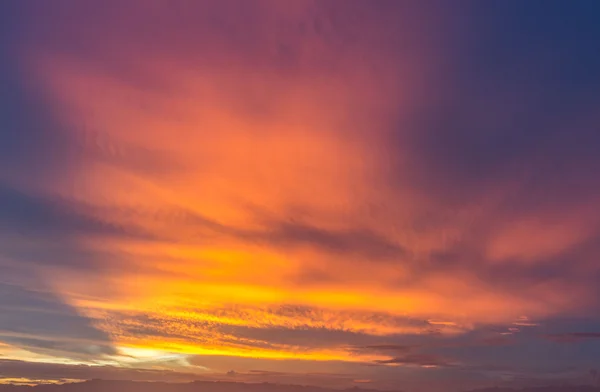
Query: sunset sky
{"x": 385, "y": 194}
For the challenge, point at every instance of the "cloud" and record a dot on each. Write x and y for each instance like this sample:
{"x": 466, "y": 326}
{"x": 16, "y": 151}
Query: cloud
{"x": 46, "y": 230}
{"x": 389, "y": 347}
{"x": 33, "y": 215}
{"x": 573, "y": 337}
{"x": 357, "y": 242}
{"x": 272, "y": 333}
{"x": 416, "y": 359}
{"x": 303, "y": 180}
{"x": 54, "y": 371}
{"x": 40, "y": 322}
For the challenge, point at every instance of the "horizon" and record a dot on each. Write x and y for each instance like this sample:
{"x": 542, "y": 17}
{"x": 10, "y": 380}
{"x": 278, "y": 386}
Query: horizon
{"x": 375, "y": 193}
{"x": 174, "y": 384}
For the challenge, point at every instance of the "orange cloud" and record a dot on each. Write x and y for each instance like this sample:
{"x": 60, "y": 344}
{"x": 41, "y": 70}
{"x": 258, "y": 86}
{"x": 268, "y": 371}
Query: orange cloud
{"x": 261, "y": 157}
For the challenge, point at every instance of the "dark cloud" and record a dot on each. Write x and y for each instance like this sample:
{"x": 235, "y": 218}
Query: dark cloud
{"x": 523, "y": 350}
{"x": 265, "y": 372}
{"x": 389, "y": 347}
{"x": 37, "y": 215}
{"x": 502, "y": 340}
{"x": 172, "y": 385}
{"x": 352, "y": 242}
{"x": 513, "y": 127}
{"x": 46, "y": 229}
{"x": 573, "y": 337}
{"x": 25, "y": 254}
{"x": 41, "y": 322}
{"x": 318, "y": 378}
{"x": 511, "y": 113}
{"x": 32, "y": 141}
{"x": 53, "y": 371}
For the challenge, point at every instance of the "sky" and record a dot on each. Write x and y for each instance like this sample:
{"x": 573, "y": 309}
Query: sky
{"x": 385, "y": 194}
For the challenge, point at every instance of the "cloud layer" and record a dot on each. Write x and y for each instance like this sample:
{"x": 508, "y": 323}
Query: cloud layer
{"x": 387, "y": 189}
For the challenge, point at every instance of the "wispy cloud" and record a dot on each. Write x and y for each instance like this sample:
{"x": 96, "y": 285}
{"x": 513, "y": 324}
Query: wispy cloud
{"x": 417, "y": 359}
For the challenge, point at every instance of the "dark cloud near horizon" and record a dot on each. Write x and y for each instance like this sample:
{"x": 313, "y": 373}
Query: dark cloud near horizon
{"x": 583, "y": 333}
{"x": 529, "y": 348}
{"x": 573, "y": 337}
{"x": 55, "y": 371}
{"x": 40, "y": 322}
